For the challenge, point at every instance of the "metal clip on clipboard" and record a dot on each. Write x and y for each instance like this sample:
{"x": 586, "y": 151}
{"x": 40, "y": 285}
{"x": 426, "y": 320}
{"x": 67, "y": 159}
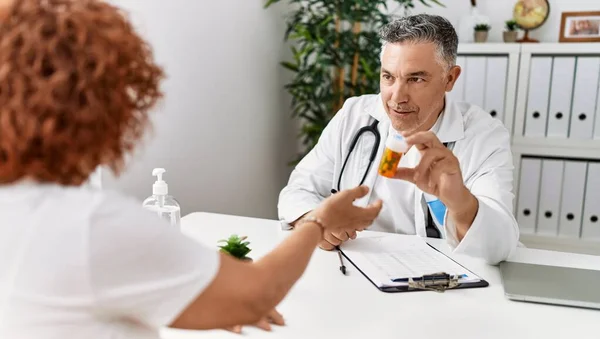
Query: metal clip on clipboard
{"x": 438, "y": 282}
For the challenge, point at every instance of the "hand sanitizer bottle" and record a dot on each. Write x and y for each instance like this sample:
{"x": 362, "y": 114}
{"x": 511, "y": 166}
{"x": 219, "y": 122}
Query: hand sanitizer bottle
{"x": 161, "y": 203}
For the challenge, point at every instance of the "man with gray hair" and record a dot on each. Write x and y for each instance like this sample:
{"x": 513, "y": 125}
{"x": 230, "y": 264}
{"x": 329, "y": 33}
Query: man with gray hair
{"x": 454, "y": 182}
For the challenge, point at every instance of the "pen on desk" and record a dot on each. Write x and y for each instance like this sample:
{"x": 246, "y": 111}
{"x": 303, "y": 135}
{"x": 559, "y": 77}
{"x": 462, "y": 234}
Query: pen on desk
{"x": 342, "y": 266}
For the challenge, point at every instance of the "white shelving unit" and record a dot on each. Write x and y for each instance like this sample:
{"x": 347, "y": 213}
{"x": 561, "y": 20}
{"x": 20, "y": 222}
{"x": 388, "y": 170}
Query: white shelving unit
{"x": 561, "y": 148}
{"x": 521, "y": 83}
{"x": 511, "y": 53}
{"x": 489, "y": 48}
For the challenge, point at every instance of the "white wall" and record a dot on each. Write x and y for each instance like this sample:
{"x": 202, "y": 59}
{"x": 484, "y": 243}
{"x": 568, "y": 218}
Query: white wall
{"x": 224, "y": 131}
{"x": 501, "y": 10}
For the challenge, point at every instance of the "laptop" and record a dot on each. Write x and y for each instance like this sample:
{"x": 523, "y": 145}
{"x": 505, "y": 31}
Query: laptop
{"x": 551, "y": 284}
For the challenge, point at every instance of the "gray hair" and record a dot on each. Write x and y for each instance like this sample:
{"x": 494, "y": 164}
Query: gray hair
{"x": 424, "y": 28}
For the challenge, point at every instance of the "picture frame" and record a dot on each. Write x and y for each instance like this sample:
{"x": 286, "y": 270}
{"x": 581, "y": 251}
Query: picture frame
{"x": 580, "y": 27}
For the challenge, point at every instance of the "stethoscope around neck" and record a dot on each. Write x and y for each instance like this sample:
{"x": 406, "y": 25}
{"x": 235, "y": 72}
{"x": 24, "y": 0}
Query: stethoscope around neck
{"x": 431, "y": 230}
{"x": 372, "y": 128}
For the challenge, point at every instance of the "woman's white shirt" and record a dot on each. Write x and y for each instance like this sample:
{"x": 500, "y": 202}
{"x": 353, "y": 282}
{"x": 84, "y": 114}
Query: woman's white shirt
{"x": 83, "y": 263}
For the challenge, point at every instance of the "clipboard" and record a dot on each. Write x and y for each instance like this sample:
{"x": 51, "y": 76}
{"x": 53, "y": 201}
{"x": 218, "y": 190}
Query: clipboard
{"x": 438, "y": 281}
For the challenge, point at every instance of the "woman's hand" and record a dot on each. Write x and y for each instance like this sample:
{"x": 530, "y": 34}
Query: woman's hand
{"x": 273, "y": 317}
{"x": 338, "y": 214}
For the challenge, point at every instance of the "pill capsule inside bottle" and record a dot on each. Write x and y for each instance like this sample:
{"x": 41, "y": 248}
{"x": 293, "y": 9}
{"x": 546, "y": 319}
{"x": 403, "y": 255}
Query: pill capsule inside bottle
{"x": 395, "y": 147}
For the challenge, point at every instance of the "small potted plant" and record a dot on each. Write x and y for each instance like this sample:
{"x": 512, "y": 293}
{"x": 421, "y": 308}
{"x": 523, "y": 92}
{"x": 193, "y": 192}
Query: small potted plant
{"x": 510, "y": 34}
{"x": 236, "y": 246}
{"x": 481, "y": 32}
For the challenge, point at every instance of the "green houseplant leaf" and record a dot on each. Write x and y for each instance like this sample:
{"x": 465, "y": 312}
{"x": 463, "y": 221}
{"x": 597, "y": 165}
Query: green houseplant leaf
{"x": 511, "y": 25}
{"x": 236, "y": 246}
{"x": 482, "y": 27}
{"x": 270, "y": 2}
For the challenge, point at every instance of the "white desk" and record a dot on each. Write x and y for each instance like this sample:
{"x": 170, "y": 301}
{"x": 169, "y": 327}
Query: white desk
{"x": 326, "y": 304}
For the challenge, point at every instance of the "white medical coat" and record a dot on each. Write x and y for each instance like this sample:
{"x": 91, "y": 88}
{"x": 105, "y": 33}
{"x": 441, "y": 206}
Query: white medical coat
{"x": 480, "y": 142}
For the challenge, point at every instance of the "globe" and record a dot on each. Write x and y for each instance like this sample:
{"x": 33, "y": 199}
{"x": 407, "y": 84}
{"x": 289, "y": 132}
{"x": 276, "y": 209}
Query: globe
{"x": 531, "y": 14}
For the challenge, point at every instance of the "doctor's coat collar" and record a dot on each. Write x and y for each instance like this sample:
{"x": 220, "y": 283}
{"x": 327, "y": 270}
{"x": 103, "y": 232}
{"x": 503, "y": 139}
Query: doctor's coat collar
{"x": 451, "y": 127}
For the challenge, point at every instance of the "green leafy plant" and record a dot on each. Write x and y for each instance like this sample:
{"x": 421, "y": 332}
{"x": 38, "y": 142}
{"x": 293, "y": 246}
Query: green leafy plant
{"x": 236, "y": 246}
{"x": 335, "y": 48}
{"x": 482, "y": 27}
{"x": 511, "y": 25}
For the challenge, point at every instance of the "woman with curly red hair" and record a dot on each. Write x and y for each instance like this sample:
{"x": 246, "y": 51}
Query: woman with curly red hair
{"x": 76, "y": 86}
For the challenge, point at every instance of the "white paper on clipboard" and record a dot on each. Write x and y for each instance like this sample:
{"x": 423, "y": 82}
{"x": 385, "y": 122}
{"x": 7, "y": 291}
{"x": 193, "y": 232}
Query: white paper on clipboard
{"x": 383, "y": 258}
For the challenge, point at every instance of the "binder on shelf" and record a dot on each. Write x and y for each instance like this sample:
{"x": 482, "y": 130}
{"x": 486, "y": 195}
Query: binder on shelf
{"x": 561, "y": 92}
{"x": 597, "y": 117}
{"x": 585, "y": 93}
{"x": 528, "y": 193}
{"x": 573, "y": 191}
{"x": 538, "y": 93}
{"x": 550, "y": 197}
{"x": 475, "y": 80}
{"x": 591, "y": 211}
{"x": 495, "y": 86}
